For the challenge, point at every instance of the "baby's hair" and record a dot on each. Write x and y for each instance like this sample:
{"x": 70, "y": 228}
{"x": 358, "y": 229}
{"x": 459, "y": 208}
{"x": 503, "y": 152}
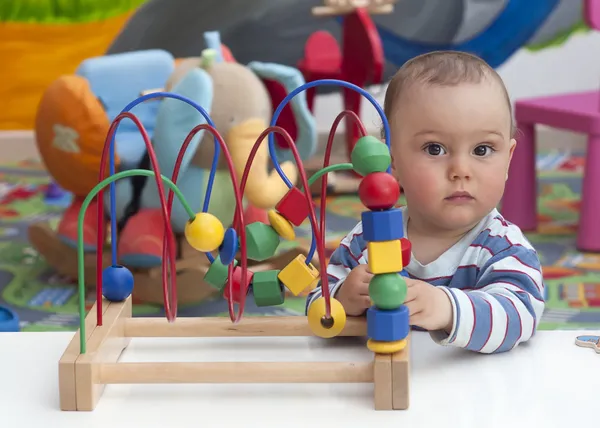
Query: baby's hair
{"x": 443, "y": 68}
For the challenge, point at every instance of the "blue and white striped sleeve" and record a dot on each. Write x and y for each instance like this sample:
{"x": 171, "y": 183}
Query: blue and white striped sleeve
{"x": 346, "y": 257}
{"x": 503, "y": 308}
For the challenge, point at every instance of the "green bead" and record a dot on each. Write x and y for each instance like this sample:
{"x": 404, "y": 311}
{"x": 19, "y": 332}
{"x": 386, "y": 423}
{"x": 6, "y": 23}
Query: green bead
{"x": 387, "y": 291}
{"x": 267, "y": 288}
{"x": 370, "y": 155}
{"x": 216, "y": 275}
{"x": 261, "y": 241}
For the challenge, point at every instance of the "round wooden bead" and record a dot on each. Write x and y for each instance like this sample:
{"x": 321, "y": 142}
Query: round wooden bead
{"x": 379, "y": 191}
{"x": 379, "y": 347}
{"x": 321, "y": 326}
{"x": 267, "y": 289}
{"x": 117, "y": 283}
{"x": 261, "y": 241}
{"x": 387, "y": 290}
{"x": 229, "y": 246}
{"x": 205, "y": 233}
{"x": 282, "y": 226}
{"x": 370, "y": 155}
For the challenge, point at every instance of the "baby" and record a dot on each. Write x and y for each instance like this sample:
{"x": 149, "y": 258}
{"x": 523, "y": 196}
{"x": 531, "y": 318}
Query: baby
{"x": 474, "y": 281}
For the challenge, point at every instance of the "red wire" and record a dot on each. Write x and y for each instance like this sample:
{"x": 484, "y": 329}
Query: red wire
{"x": 352, "y": 117}
{"x": 159, "y": 184}
{"x": 238, "y": 198}
{"x": 313, "y": 218}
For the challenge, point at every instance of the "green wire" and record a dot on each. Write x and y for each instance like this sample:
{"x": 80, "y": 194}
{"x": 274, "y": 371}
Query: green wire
{"x": 330, "y": 168}
{"x": 80, "y": 253}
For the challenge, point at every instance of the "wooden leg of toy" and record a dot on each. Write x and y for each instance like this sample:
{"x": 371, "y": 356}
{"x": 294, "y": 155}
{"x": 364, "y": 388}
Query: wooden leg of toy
{"x": 401, "y": 377}
{"x": 66, "y": 365}
{"x": 382, "y": 381}
{"x": 104, "y": 345}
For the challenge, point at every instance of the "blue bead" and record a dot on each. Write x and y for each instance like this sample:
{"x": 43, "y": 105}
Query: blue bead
{"x": 387, "y": 325}
{"x": 381, "y": 226}
{"x": 117, "y": 283}
{"x": 229, "y": 246}
{"x": 404, "y": 273}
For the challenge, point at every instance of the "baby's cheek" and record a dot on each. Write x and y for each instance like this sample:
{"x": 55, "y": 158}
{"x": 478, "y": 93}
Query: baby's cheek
{"x": 420, "y": 186}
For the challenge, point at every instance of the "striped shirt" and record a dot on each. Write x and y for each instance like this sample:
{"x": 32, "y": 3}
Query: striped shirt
{"x": 493, "y": 277}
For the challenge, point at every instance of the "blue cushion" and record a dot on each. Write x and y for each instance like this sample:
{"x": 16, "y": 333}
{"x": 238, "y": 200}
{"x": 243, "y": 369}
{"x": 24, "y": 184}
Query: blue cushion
{"x": 117, "y": 80}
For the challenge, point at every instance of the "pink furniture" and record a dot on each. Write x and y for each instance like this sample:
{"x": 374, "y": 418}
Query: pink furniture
{"x": 579, "y": 112}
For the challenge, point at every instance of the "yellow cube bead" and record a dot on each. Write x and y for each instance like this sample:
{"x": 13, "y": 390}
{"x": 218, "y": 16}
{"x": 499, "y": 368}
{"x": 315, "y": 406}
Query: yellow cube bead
{"x": 385, "y": 256}
{"x": 297, "y": 276}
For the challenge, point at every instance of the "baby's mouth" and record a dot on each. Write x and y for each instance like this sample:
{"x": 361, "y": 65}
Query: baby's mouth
{"x": 460, "y": 196}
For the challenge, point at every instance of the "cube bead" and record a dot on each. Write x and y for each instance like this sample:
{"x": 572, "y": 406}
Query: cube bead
{"x": 297, "y": 276}
{"x": 370, "y": 155}
{"x": 236, "y": 285}
{"x": 216, "y": 275}
{"x": 387, "y": 291}
{"x": 382, "y": 225}
{"x": 388, "y": 325}
{"x": 267, "y": 289}
{"x": 261, "y": 241}
{"x": 406, "y": 251}
{"x": 293, "y": 206}
{"x": 379, "y": 191}
{"x": 384, "y": 256}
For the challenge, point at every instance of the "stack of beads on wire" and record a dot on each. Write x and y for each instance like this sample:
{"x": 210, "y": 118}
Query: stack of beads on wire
{"x": 388, "y": 251}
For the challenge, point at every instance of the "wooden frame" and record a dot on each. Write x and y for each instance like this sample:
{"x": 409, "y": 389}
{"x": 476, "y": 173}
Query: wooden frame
{"x": 82, "y": 377}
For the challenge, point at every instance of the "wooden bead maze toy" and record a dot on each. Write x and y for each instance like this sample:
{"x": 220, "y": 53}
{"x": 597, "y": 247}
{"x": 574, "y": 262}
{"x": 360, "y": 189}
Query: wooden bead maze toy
{"x": 91, "y": 359}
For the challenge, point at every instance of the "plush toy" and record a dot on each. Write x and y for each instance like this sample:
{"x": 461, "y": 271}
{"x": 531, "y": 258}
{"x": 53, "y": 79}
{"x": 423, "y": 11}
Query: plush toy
{"x": 240, "y": 100}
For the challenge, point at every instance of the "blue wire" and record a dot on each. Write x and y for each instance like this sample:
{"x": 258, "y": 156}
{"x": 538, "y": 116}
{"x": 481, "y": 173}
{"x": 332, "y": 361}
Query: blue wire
{"x": 113, "y": 195}
{"x": 280, "y": 107}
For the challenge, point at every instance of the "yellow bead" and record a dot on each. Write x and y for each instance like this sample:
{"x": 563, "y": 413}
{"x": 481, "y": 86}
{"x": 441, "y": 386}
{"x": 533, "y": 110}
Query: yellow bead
{"x": 386, "y": 347}
{"x": 282, "y": 226}
{"x": 385, "y": 256}
{"x": 322, "y": 326}
{"x": 297, "y": 276}
{"x": 205, "y": 233}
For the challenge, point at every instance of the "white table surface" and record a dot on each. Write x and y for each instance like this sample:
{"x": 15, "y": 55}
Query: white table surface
{"x": 549, "y": 382}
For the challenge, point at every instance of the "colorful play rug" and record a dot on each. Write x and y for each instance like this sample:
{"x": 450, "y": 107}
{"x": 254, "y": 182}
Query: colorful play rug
{"x": 46, "y": 302}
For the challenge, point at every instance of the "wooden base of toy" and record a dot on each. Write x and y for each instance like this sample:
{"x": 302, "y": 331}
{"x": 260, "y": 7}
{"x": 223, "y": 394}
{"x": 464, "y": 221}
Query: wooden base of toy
{"x": 191, "y": 268}
{"x": 82, "y": 377}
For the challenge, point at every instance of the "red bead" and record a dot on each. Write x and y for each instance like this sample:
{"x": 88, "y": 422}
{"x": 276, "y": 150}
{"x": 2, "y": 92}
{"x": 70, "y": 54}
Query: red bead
{"x": 293, "y": 206}
{"x": 406, "y": 251}
{"x": 236, "y": 280}
{"x": 379, "y": 191}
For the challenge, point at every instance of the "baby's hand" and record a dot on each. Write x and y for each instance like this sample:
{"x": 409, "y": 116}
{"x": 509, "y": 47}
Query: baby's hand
{"x": 429, "y": 306}
{"x": 354, "y": 292}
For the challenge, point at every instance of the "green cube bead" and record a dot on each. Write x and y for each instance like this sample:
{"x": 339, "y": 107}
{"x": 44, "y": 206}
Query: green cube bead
{"x": 267, "y": 288}
{"x": 387, "y": 291}
{"x": 370, "y": 155}
{"x": 216, "y": 275}
{"x": 261, "y": 241}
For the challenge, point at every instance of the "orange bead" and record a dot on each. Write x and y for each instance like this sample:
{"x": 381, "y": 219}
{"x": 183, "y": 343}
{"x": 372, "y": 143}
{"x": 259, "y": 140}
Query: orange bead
{"x": 379, "y": 191}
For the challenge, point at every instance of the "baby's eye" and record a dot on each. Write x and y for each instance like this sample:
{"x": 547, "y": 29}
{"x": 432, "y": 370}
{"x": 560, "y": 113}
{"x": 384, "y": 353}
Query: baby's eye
{"x": 434, "y": 149}
{"x": 483, "y": 150}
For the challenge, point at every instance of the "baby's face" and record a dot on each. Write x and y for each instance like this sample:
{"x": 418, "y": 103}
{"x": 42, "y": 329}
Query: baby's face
{"x": 452, "y": 148}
